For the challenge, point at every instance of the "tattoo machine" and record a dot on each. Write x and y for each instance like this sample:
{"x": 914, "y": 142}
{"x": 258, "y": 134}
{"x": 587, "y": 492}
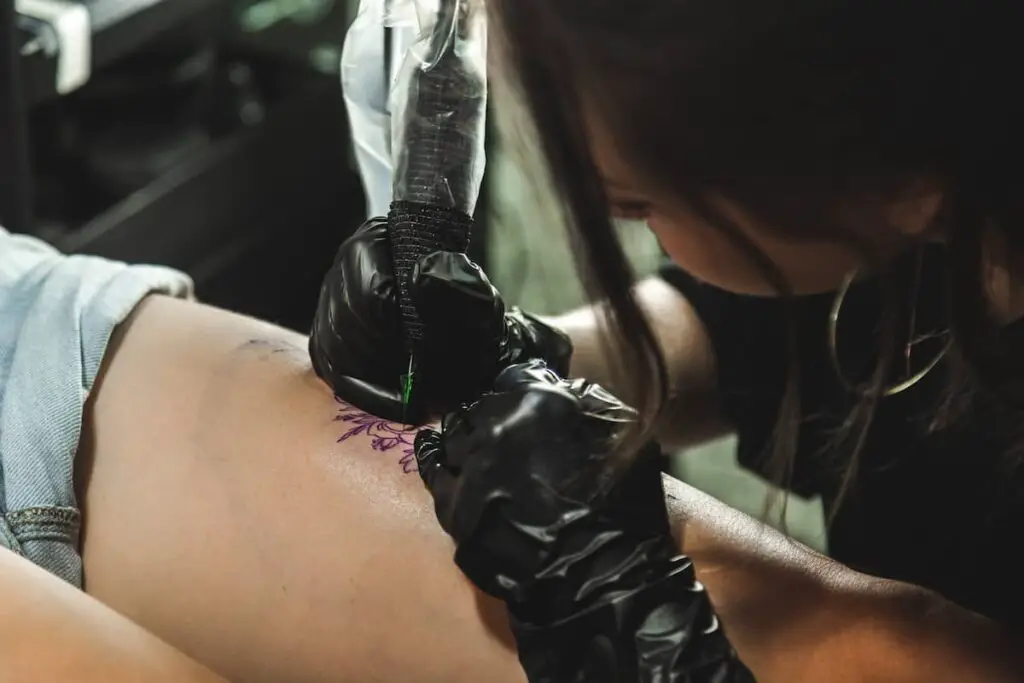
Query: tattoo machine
{"x": 438, "y": 109}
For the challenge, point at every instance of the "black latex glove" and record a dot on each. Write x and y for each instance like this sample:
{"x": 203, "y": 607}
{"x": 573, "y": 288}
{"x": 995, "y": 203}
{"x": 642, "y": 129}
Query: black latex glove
{"x": 357, "y": 347}
{"x": 595, "y": 586}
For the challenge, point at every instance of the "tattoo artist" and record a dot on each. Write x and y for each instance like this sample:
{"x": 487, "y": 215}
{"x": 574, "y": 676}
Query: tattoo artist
{"x": 837, "y": 186}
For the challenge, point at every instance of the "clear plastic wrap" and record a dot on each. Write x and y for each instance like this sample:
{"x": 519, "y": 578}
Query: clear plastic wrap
{"x": 438, "y": 103}
{"x": 367, "y": 75}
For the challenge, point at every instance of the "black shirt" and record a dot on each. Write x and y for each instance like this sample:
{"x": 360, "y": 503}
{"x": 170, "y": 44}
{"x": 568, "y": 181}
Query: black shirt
{"x": 940, "y": 508}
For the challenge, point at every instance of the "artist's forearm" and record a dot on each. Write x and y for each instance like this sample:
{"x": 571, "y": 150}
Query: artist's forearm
{"x": 931, "y": 640}
{"x": 690, "y": 416}
{"x": 795, "y": 615}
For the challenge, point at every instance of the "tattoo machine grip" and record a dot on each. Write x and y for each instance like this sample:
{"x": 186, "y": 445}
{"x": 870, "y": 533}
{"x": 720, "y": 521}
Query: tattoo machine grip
{"x": 416, "y": 230}
{"x": 438, "y": 147}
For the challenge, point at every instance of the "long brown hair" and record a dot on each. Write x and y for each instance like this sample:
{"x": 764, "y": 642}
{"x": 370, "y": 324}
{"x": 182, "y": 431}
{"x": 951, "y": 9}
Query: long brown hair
{"x": 796, "y": 110}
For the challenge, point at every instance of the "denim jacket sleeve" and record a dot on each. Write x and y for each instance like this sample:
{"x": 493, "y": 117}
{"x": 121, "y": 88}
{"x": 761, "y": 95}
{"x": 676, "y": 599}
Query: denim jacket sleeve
{"x": 57, "y": 314}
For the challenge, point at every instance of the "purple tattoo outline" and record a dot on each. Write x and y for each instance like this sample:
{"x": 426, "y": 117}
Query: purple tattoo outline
{"x": 384, "y": 436}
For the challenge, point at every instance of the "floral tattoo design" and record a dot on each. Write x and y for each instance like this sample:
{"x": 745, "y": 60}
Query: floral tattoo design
{"x": 385, "y": 436}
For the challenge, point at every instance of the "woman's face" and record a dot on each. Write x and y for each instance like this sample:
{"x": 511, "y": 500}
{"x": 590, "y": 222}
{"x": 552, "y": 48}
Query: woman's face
{"x": 706, "y": 252}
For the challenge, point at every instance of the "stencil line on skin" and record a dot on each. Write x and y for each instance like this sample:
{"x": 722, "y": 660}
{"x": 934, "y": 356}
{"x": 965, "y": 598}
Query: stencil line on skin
{"x": 385, "y": 436}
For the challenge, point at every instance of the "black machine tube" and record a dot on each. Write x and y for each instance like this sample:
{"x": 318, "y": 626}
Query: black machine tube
{"x": 438, "y": 149}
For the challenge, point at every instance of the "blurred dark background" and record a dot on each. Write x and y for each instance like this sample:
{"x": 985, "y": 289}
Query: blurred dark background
{"x": 208, "y": 135}
{"x": 211, "y": 135}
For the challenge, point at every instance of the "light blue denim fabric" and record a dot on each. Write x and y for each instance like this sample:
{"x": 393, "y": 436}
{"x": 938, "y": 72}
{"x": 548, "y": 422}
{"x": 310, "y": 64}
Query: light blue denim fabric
{"x": 57, "y": 313}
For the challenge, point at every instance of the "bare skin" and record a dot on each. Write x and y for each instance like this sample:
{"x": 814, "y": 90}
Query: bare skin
{"x": 223, "y": 514}
{"x": 691, "y": 417}
{"x": 51, "y": 632}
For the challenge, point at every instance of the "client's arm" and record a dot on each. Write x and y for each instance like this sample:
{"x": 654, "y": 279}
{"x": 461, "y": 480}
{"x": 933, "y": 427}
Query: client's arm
{"x": 234, "y": 508}
{"x": 49, "y": 631}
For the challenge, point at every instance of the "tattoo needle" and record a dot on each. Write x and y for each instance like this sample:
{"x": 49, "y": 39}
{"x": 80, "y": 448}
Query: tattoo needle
{"x": 407, "y": 380}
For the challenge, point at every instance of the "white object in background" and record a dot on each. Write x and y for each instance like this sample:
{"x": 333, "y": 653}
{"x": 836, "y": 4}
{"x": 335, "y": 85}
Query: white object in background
{"x": 71, "y": 24}
{"x": 366, "y": 92}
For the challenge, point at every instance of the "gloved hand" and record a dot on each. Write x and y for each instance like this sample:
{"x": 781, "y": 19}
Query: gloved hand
{"x": 578, "y": 546}
{"x": 356, "y": 344}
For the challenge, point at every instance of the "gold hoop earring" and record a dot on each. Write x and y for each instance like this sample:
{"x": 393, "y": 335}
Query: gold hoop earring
{"x": 833, "y": 326}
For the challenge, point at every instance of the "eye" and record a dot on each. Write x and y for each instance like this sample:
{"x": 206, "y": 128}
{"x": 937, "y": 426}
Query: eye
{"x": 631, "y": 210}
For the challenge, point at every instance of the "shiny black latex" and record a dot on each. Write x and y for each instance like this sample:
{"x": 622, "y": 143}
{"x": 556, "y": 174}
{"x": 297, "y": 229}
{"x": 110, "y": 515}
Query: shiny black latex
{"x": 356, "y": 344}
{"x": 586, "y": 563}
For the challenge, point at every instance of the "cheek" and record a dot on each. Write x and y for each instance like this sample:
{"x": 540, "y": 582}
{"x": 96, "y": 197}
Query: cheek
{"x": 707, "y": 254}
